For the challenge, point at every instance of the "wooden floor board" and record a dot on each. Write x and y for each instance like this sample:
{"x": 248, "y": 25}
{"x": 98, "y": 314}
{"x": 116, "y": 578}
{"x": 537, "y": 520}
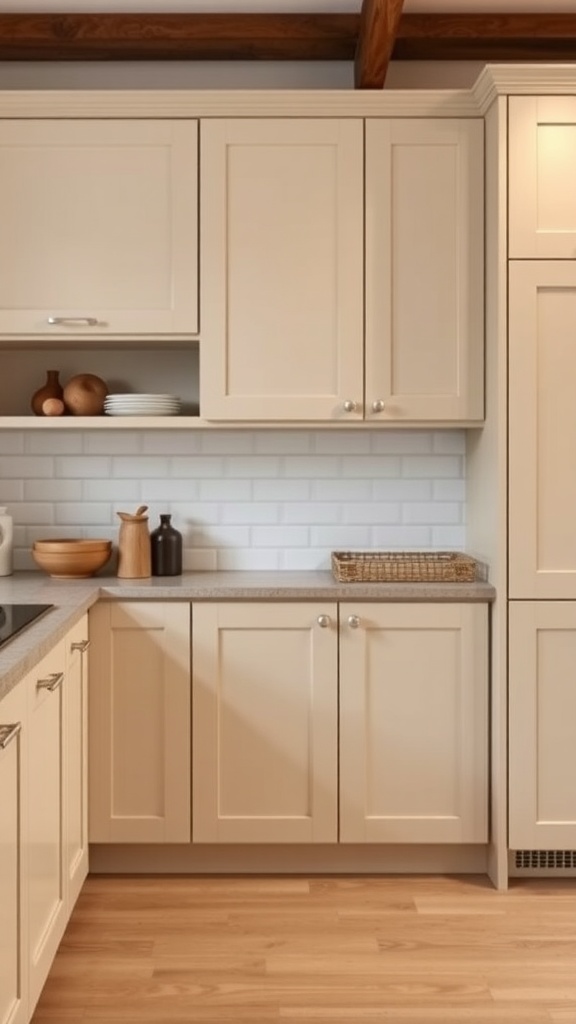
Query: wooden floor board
{"x": 407, "y": 949}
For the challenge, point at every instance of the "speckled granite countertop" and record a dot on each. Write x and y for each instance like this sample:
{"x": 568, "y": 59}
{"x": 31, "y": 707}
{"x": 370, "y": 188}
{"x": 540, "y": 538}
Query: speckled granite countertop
{"x": 74, "y": 597}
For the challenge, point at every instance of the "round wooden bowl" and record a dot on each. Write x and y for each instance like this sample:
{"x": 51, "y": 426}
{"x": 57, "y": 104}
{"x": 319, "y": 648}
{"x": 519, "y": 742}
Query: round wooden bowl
{"x": 71, "y": 559}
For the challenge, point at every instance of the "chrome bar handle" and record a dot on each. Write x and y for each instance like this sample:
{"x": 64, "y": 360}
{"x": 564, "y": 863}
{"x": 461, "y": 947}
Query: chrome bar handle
{"x": 51, "y": 682}
{"x": 8, "y": 733}
{"x": 73, "y": 321}
{"x": 81, "y": 646}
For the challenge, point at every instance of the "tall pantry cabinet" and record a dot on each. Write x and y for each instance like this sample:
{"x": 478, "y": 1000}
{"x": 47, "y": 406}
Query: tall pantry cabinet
{"x": 542, "y": 475}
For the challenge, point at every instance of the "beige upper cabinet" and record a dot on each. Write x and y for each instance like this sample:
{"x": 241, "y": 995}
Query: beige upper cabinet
{"x": 283, "y": 203}
{"x": 424, "y": 270}
{"x": 413, "y": 723}
{"x": 542, "y": 198}
{"x": 13, "y": 886}
{"x": 139, "y": 722}
{"x": 281, "y": 269}
{"x": 542, "y": 725}
{"x": 542, "y": 430}
{"x": 99, "y": 227}
{"x": 265, "y": 722}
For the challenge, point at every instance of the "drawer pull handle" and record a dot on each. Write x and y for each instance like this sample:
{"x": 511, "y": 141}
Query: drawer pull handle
{"x": 324, "y": 621}
{"x": 73, "y": 321}
{"x": 353, "y": 621}
{"x": 81, "y": 646}
{"x": 51, "y": 682}
{"x": 8, "y": 733}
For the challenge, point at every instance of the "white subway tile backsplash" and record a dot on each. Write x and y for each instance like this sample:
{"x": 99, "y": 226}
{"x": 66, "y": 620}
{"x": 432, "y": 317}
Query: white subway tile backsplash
{"x": 53, "y": 443}
{"x": 259, "y": 499}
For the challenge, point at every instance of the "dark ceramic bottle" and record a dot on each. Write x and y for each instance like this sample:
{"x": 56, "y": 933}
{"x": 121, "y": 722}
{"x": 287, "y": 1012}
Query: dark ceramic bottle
{"x": 166, "y": 549}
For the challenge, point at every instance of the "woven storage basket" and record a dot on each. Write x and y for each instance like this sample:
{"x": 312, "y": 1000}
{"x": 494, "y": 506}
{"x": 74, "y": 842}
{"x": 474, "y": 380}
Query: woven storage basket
{"x": 403, "y": 567}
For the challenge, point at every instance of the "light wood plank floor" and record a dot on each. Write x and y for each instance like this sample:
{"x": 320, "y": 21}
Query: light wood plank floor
{"x": 411, "y": 950}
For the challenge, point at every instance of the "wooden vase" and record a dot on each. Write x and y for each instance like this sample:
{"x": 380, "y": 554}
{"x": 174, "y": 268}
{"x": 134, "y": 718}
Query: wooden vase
{"x": 51, "y": 389}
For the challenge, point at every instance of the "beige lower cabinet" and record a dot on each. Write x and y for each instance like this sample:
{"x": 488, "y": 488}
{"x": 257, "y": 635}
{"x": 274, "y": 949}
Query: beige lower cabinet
{"x": 139, "y": 762}
{"x": 413, "y": 723}
{"x": 13, "y": 888}
{"x": 265, "y": 722}
{"x": 542, "y": 725}
{"x": 76, "y": 760}
{"x": 47, "y": 910}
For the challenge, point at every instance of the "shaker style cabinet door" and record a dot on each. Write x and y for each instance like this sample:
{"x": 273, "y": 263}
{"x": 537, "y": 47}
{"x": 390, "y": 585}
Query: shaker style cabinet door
{"x": 99, "y": 227}
{"x": 424, "y": 270}
{"x": 76, "y": 760}
{"x": 139, "y": 720}
{"x": 265, "y": 727}
{"x": 46, "y": 816}
{"x": 542, "y": 729}
{"x": 281, "y": 204}
{"x": 542, "y": 166}
{"x": 413, "y": 723}
{"x": 13, "y": 888}
{"x": 542, "y": 429}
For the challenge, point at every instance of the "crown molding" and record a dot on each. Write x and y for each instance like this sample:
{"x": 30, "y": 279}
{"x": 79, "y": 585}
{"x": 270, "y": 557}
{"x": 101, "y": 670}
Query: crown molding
{"x": 522, "y": 79}
{"x": 237, "y": 103}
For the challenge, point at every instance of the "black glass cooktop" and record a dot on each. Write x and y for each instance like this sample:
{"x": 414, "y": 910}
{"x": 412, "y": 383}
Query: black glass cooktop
{"x": 15, "y": 617}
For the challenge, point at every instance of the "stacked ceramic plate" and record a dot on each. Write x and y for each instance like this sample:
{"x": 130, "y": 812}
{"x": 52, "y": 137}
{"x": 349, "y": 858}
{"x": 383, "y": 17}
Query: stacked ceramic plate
{"x": 141, "y": 405}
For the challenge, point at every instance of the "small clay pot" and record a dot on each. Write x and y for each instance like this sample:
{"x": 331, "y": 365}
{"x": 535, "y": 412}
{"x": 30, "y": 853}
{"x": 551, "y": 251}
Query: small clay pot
{"x": 84, "y": 395}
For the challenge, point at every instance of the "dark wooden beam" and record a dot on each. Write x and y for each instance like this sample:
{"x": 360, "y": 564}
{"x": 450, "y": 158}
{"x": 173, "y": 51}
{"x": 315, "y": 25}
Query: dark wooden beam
{"x": 487, "y": 37}
{"x": 379, "y": 21}
{"x": 178, "y": 36}
{"x": 484, "y": 37}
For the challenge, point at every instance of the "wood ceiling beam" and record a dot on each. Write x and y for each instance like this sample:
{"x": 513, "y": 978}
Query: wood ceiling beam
{"x": 379, "y": 22}
{"x": 178, "y": 36}
{"x": 485, "y": 37}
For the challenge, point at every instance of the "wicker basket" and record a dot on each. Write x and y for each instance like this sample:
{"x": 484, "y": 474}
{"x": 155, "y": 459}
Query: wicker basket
{"x": 403, "y": 567}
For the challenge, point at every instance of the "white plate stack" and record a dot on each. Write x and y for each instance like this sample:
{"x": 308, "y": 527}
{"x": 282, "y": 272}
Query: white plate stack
{"x": 141, "y": 405}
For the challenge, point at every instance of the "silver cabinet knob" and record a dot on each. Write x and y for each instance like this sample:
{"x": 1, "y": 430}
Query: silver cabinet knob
{"x": 377, "y": 405}
{"x": 353, "y": 621}
{"x": 349, "y": 405}
{"x": 324, "y": 621}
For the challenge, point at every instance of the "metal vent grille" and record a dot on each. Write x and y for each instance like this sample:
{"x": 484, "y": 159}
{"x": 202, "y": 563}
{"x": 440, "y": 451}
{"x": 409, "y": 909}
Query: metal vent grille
{"x": 530, "y": 859}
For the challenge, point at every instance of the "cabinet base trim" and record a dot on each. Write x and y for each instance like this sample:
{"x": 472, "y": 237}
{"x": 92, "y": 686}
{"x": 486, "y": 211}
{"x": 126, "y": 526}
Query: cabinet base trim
{"x": 348, "y": 859}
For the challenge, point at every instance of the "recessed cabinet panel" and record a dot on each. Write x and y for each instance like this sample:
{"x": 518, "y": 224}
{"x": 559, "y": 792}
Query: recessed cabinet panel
{"x": 542, "y": 198}
{"x": 99, "y": 227}
{"x": 46, "y": 816}
{"x": 282, "y": 268}
{"x": 413, "y": 723}
{"x": 542, "y": 725}
{"x": 76, "y": 760}
{"x": 13, "y": 887}
{"x": 139, "y": 777}
{"x": 542, "y": 494}
{"x": 265, "y": 723}
{"x": 424, "y": 269}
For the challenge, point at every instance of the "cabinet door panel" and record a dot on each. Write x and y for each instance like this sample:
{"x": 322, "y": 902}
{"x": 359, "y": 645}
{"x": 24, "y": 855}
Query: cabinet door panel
{"x": 13, "y": 890}
{"x": 413, "y": 723}
{"x": 281, "y": 223}
{"x": 76, "y": 763}
{"x": 139, "y": 778}
{"x": 542, "y": 743}
{"x": 265, "y": 723}
{"x": 542, "y": 430}
{"x": 99, "y": 219}
{"x": 542, "y": 199}
{"x": 46, "y": 888}
{"x": 424, "y": 269}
